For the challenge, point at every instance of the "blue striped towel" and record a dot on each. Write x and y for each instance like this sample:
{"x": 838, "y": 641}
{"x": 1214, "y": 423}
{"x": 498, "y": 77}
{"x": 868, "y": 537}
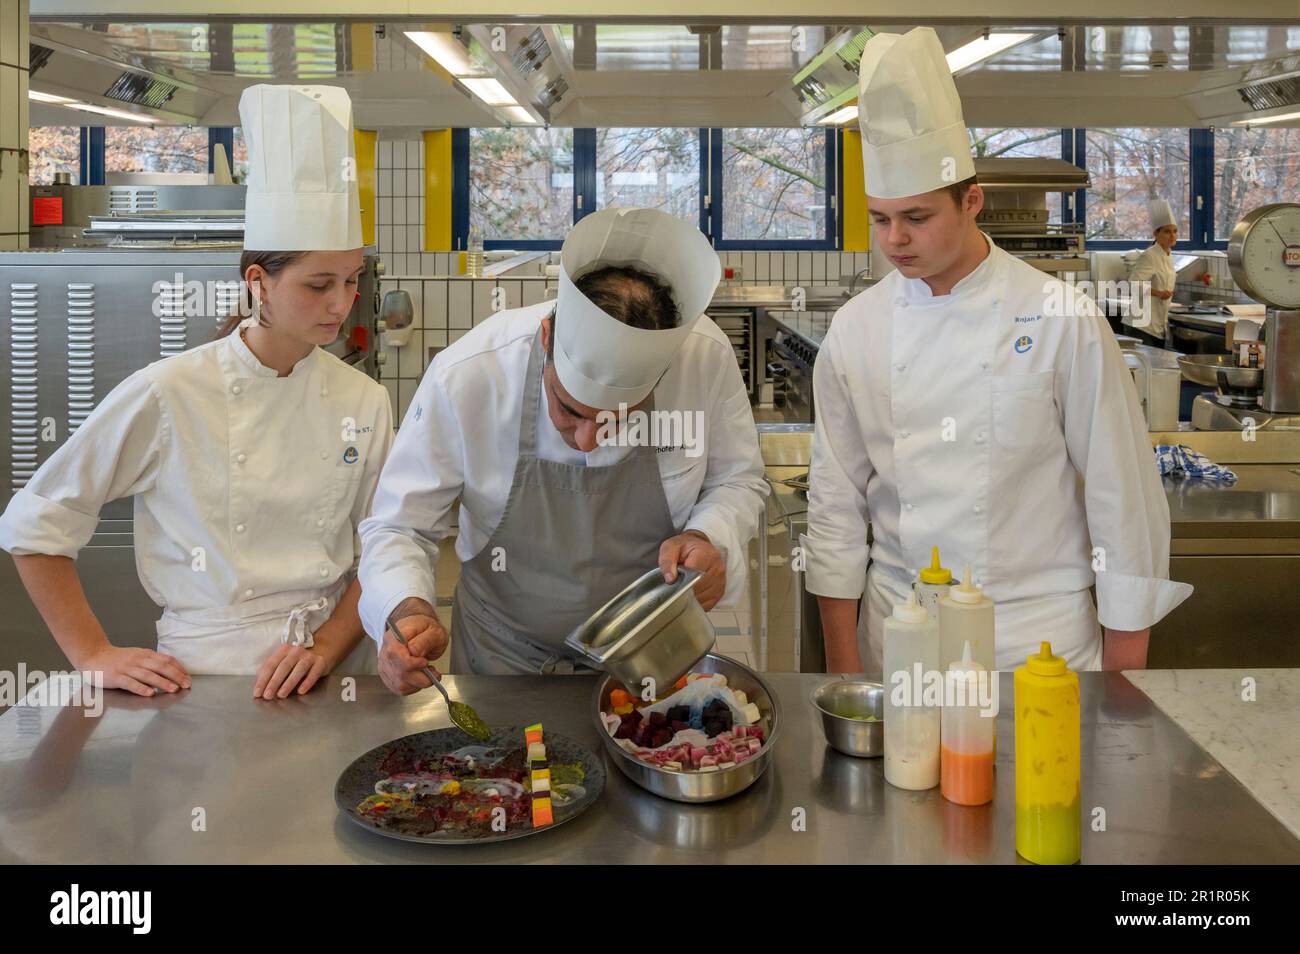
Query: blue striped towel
{"x": 1179, "y": 460}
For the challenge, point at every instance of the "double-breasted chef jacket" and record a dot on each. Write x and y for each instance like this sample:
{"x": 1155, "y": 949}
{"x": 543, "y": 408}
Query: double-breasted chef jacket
{"x": 248, "y": 490}
{"x": 1000, "y": 423}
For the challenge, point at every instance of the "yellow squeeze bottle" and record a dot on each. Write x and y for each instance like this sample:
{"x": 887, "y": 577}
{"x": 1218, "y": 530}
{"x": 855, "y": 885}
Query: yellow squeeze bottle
{"x": 1047, "y": 760}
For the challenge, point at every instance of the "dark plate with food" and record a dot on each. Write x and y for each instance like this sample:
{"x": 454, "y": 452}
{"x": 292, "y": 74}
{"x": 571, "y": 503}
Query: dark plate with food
{"x": 442, "y": 787}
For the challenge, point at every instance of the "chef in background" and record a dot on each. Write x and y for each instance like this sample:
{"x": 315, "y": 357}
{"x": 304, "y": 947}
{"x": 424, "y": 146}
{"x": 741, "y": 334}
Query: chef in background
{"x": 555, "y": 517}
{"x": 970, "y": 401}
{"x": 1155, "y": 268}
{"x": 251, "y": 458}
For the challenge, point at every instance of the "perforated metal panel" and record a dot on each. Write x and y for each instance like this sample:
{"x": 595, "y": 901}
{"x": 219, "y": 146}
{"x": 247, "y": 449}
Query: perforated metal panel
{"x": 23, "y": 384}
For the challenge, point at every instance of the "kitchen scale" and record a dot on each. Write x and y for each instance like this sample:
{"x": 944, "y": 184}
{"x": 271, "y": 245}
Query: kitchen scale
{"x": 1264, "y": 256}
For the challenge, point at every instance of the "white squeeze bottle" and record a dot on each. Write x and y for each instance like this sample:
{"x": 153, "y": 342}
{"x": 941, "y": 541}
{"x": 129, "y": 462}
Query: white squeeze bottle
{"x": 966, "y": 616}
{"x": 932, "y": 585}
{"x": 911, "y": 664}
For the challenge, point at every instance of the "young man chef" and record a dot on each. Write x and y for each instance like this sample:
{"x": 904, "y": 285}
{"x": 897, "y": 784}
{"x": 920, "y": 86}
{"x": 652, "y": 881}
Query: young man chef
{"x": 960, "y": 402}
{"x": 1155, "y": 267}
{"x": 558, "y": 510}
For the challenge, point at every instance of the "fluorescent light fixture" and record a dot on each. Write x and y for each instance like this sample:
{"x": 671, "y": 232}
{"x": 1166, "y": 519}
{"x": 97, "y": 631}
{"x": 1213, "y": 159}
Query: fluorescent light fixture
{"x": 981, "y": 48}
{"x": 845, "y": 115}
{"x": 445, "y": 50}
{"x": 39, "y": 97}
{"x": 489, "y": 90}
{"x": 518, "y": 115}
{"x": 1260, "y": 121}
{"x": 107, "y": 111}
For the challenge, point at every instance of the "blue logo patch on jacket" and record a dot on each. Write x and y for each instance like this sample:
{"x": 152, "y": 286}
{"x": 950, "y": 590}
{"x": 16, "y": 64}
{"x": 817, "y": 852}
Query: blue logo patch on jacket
{"x": 350, "y": 455}
{"x": 1023, "y": 344}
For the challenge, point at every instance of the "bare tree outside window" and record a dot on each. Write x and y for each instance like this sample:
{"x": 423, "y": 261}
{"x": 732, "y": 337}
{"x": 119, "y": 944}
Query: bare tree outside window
{"x": 774, "y": 184}
{"x": 156, "y": 149}
{"x": 53, "y": 149}
{"x": 1130, "y": 167}
{"x": 1253, "y": 167}
{"x": 649, "y": 168}
{"x": 521, "y": 182}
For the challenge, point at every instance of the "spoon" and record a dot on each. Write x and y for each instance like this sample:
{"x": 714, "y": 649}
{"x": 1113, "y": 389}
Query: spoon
{"x": 463, "y": 716}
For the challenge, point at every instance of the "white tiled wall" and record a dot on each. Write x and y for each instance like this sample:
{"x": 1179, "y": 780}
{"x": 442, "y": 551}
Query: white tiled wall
{"x": 792, "y": 268}
{"x": 399, "y": 213}
{"x": 1222, "y": 289}
{"x": 444, "y": 310}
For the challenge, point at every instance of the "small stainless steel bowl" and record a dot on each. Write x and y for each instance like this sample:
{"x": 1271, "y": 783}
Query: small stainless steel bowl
{"x": 700, "y": 786}
{"x": 860, "y": 738}
{"x": 653, "y": 629}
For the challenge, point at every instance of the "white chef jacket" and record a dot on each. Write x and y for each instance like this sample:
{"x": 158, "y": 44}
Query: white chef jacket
{"x": 460, "y": 438}
{"x": 248, "y": 487}
{"x": 1001, "y": 424}
{"x": 1156, "y": 266}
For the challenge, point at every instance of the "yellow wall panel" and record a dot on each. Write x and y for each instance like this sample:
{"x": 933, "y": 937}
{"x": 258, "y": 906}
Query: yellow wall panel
{"x": 853, "y": 203}
{"x": 364, "y": 141}
{"x": 437, "y": 190}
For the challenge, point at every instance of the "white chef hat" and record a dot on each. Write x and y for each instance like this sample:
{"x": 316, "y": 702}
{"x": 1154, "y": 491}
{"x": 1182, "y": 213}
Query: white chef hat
{"x": 914, "y": 138}
{"x": 604, "y": 362}
{"x": 302, "y": 183}
{"x": 1161, "y": 214}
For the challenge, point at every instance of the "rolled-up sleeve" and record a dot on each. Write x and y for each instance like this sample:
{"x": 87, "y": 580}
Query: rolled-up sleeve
{"x": 412, "y": 507}
{"x": 115, "y": 453}
{"x": 732, "y": 496}
{"x": 835, "y": 546}
{"x": 1127, "y": 512}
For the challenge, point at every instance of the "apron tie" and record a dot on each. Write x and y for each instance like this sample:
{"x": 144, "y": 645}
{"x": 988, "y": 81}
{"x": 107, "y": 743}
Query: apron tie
{"x": 295, "y": 627}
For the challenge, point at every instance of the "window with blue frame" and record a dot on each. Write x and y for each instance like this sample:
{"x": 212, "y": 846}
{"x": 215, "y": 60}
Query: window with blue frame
{"x": 521, "y": 183}
{"x": 1129, "y": 167}
{"x": 1253, "y": 167}
{"x": 776, "y": 188}
{"x": 656, "y": 168}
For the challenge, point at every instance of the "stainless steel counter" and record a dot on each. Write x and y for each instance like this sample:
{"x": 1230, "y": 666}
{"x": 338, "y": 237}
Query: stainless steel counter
{"x": 1264, "y": 502}
{"x": 128, "y": 786}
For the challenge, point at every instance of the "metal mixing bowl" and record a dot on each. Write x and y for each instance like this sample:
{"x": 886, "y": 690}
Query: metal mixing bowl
{"x": 652, "y": 630}
{"x": 857, "y": 737}
{"x": 700, "y": 786}
{"x": 1208, "y": 368}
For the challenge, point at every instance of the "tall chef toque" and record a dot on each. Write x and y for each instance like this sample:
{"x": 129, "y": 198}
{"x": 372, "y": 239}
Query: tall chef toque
{"x": 914, "y": 138}
{"x": 602, "y": 361}
{"x": 302, "y": 184}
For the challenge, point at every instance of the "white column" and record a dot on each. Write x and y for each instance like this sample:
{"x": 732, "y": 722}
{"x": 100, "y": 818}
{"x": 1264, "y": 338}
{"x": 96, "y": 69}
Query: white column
{"x": 14, "y": 204}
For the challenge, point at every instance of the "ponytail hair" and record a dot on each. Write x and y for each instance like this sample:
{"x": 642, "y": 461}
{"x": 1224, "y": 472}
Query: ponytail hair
{"x": 272, "y": 263}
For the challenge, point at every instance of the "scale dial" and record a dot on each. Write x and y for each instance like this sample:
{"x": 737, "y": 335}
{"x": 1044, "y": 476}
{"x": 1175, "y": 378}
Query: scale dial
{"x": 1264, "y": 255}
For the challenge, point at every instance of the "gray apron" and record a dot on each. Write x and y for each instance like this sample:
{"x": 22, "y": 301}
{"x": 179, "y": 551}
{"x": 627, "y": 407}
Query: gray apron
{"x": 571, "y": 538}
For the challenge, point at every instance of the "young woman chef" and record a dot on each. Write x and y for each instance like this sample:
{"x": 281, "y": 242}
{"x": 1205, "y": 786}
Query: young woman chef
{"x": 960, "y": 403}
{"x": 251, "y": 459}
{"x": 1155, "y": 266}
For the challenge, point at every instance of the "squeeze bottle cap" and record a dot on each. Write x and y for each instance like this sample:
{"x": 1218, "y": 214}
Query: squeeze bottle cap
{"x": 911, "y": 611}
{"x": 966, "y": 591}
{"x": 934, "y": 573}
{"x": 965, "y": 664}
{"x": 1045, "y": 664}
